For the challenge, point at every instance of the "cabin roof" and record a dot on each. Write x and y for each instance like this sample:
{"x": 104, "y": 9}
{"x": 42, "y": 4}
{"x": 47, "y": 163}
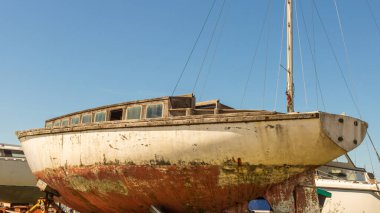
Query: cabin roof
{"x": 180, "y": 105}
{"x": 200, "y": 105}
{"x": 10, "y": 146}
{"x": 345, "y": 165}
{"x": 118, "y": 105}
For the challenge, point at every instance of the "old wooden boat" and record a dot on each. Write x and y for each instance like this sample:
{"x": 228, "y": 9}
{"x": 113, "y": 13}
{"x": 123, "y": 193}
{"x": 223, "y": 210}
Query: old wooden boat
{"x": 17, "y": 183}
{"x": 180, "y": 155}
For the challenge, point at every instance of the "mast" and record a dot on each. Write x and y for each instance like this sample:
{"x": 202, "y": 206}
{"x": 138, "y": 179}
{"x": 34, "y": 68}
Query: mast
{"x": 289, "y": 69}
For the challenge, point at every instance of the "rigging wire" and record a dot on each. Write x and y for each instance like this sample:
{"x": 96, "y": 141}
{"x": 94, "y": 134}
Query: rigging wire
{"x": 313, "y": 27}
{"x": 370, "y": 139}
{"x": 347, "y": 58}
{"x": 373, "y": 16}
{"x": 215, "y": 51}
{"x": 341, "y": 71}
{"x": 265, "y": 67}
{"x": 300, "y": 49}
{"x": 313, "y": 50}
{"x": 255, "y": 53}
{"x": 342, "y": 34}
{"x": 370, "y": 159}
{"x": 336, "y": 60}
{"x": 280, "y": 58}
{"x": 313, "y": 59}
{"x": 195, "y": 44}
{"x": 209, "y": 44}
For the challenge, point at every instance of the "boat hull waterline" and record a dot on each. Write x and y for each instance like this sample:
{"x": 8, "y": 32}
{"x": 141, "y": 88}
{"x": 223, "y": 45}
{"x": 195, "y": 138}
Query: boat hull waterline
{"x": 201, "y": 162}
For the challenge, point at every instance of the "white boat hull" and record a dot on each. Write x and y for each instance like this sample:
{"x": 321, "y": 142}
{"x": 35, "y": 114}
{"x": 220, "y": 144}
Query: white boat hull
{"x": 350, "y": 197}
{"x": 279, "y": 142}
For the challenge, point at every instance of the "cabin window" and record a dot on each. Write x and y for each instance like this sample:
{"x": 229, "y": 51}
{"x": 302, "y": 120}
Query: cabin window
{"x": 134, "y": 112}
{"x": 75, "y": 120}
{"x": 57, "y": 123}
{"x": 18, "y": 154}
{"x": 116, "y": 114}
{"x": 86, "y": 119}
{"x": 100, "y": 116}
{"x": 65, "y": 122}
{"x": 49, "y": 125}
{"x": 7, "y": 153}
{"x": 154, "y": 111}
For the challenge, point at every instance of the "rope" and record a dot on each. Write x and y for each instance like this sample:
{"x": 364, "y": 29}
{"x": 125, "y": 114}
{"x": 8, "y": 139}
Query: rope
{"x": 300, "y": 49}
{"x": 279, "y": 63}
{"x": 255, "y": 53}
{"x": 209, "y": 44}
{"x": 192, "y": 50}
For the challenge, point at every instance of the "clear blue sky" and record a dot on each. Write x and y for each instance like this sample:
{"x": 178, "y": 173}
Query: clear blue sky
{"x": 57, "y": 57}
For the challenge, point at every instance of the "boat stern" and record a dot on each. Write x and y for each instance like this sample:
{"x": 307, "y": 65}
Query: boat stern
{"x": 347, "y": 132}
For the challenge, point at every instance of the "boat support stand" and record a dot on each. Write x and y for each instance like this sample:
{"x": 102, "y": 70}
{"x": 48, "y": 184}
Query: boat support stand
{"x": 46, "y": 204}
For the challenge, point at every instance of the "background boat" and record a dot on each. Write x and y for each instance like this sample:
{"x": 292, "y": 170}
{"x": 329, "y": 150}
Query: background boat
{"x": 17, "y": 183}
{"x": 352, "y": 189}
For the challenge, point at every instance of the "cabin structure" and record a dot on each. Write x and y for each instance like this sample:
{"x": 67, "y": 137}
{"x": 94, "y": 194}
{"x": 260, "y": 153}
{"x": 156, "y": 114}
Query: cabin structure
{"x": 148, "y": 109}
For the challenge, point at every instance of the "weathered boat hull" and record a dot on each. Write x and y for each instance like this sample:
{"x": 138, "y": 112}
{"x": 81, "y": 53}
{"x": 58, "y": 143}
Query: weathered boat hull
{"x": 209, "y": 163}
{"x": 128, "y": 188}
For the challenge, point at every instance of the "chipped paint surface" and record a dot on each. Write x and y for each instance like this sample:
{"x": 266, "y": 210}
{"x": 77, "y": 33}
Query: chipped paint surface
{"x": 198, "y": 164}
{"x": 103, "y": 186}
{"x": 296, "y": 195}
{"x": 258, "y": 174}
{"x": 290, "y": 142}
{"x": 172, "y": 188}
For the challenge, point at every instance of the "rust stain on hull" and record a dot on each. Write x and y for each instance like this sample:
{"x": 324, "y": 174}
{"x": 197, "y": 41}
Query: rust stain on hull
{"x": 132, "y": 188}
